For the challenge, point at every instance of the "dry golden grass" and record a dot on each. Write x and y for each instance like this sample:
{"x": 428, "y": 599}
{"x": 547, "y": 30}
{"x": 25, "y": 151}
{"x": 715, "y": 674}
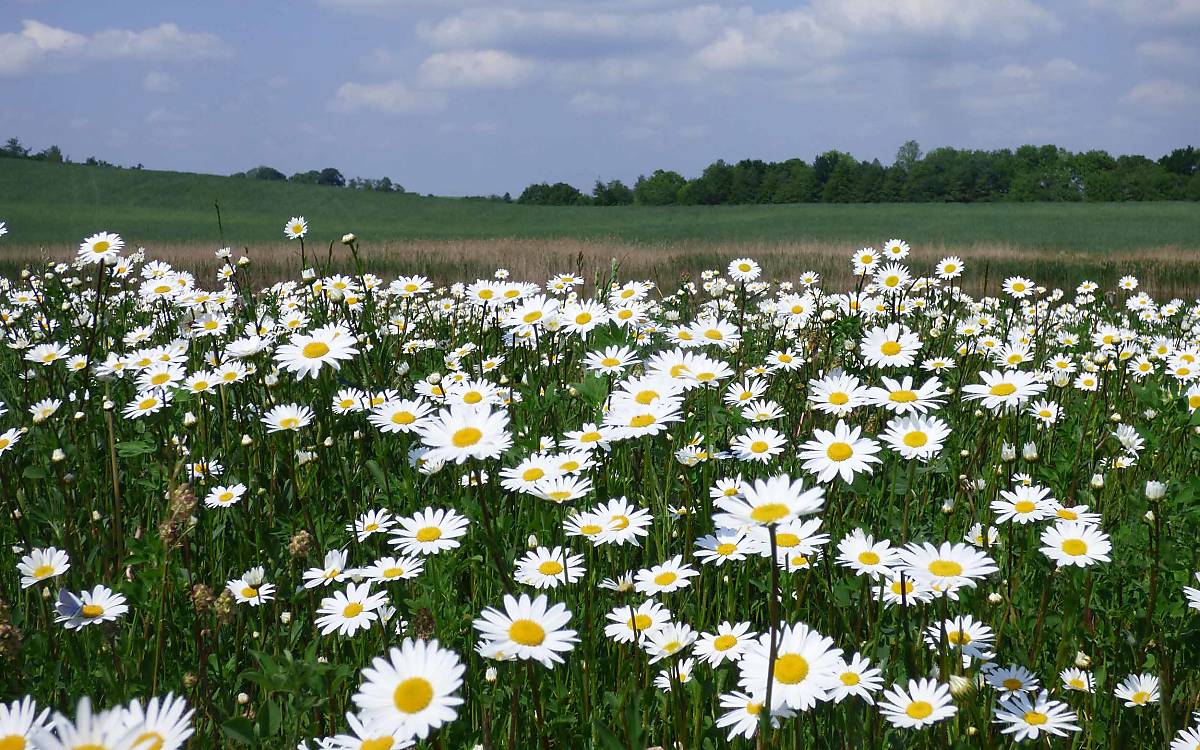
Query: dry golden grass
{"x": 1164, "y": 271}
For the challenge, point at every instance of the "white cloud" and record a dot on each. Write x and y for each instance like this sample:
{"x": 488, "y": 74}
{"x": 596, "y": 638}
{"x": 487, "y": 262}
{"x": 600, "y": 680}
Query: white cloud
{"x": 1160, "y": 94}
{"x": 589, "y": 102}
{"x": 1168, "y": 52}
{"x": 1153, "y": 12}
{"x": 392, "y": 97}
{"x": 486, "y": 68}
{"x": 38, "y": 45}
{"x": 157, "y": 82}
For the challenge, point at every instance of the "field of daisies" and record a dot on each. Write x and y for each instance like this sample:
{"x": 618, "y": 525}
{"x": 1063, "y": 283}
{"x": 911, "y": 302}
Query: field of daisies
{"x": 350, "y": 512}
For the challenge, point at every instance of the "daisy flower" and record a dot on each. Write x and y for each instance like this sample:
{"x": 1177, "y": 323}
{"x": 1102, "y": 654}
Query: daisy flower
{"x": 100, "y": 604}
{"x": 949, "y": 565}
{"x": 899, "y": 396}
{"x": 414, "y": 688}
{"x": 288, "y": 418}
{"x": 334, "y": 569}
{"x": 964, "y": 634}
{"x": 463, "y": 432}
{"x": 546, "y": 568}
{"x": 671, "y": 575}
{"x": 349, "y": 611}
{"x": 805, "y": 668}
{"x": 728, "y": 643}
{"x": 924, "y": 702}
{"x": 1006, "y": 389}
{"x": 743, "y": 714}
{"x": 400, "y": 415}
{"x": 1075, "y": 543}
{"x": 388, "y": 569}
{"x": 627, "y": 623}
{"x": 306, "y": 354}
{"x": 843, "y": 453}
{"x": 766, "y": 502}
{"x": 101, "y": 247}
{"x": 1011, "y": 680}
{"x": 722, "y": 547}
{"x": 21, "y": 723}
{"x": 861, "y": 553}
{"x": 668, "y": 641}
{"x": 1138, "y": 690}
{"x": 223, "y": 496}
{"x": 858, "y": 678}
{"x": 296, "y": 228}
{"x": 375, "y": 521}
{"x": 42, "y": 564}
{"x": 893, "y": 346}
{"x": 528, "y": 629}
{"x": 163, "y": 723}
{"x": 758, "y": 444}
{"x": 920, "y": 438}
{"x": 250, "y": 589}
{"x": 106, "y": 730}
{"x": 429, "y": 531}
{"x": 1023, "y": 505}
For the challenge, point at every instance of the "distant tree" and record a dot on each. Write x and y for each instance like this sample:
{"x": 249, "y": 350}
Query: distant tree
{"x": 614, "y": 193}
{"x": 659, "y": 189}
{"x": 331, "y": 177}
{"x": 53, "y": 154}
{"x": 263, "y": 172}
{"x": 797, "y": 183}
{"x": 840, "y": 185}
{"x": 908, "y": 155}
{"x": 1182, "y": 161}
{"x": 13, "y": 149}
{"x": 711, "y": 188}
{"x": 558, "y": 194}
{"x": 508, "y": 197}
{"x": 306, "y": 178}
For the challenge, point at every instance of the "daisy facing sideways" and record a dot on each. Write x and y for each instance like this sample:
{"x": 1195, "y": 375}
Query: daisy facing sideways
{"x": 528, "y": 629}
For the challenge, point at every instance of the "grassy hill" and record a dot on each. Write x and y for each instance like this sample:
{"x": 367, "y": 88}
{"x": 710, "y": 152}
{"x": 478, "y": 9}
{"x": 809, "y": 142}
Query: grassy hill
{"x": 56, "y": 204}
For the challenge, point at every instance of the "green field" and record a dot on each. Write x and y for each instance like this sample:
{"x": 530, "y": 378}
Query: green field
{"x": 54, "y": 204}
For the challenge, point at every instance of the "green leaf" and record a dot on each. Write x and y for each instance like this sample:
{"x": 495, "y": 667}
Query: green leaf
{"x": 134, "y": 448}
{"x": 239, "y": 730}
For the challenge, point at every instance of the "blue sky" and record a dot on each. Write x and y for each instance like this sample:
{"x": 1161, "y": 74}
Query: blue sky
{"x": 472, "y": 97}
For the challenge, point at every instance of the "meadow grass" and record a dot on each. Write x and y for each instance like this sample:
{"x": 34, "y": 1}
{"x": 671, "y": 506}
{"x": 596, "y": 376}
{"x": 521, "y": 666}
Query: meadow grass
{"x": 43, "y": 203}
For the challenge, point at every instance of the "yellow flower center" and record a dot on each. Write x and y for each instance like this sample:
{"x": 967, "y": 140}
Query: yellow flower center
{"x": 353, "y": 609}
{"x": 589, "y": 437}
{"x": 393, "y": 572}
{"x": 466, "y": 437}
{"x": 526, "y": 633}
{"x": 412, "y": 695}
{"x": 590, "y": 529}
{"x": 958, "y": 637}
{"x": 791, "y": 669}
{"x": 148, "y": 403}
{"x": 839, "y": 451}
{"x": 639, "y": 622}
{"x": 919, "y": 710}
{"x": 249, "y": 592}
{"x": 785, "y": 539}
{"x": 903, "y": 397}
{"x": 754, "y": 709}
{"x": 724, "y": 642}
{"x": 916, "y": 439}
{"x": 759, "y": 446}
{"x": 610, "y": 361}
{"x": 665, "y": 578}
{"x": 890, "y": 348}
{"x": 101, "y": 247}
{"x": 315, "y": 349}
{"x": 769, "y": 512}
{"x": 429, "y": 534}
{"x": 92, "y": 610}
{"x": 532, "y": 475}
{"x": 403, "y": 417}
{"x": 550, "y": 568}
{"x": 12, "y": 742}
{"x": 945, "y": 568}
{"x": 1012, "y": 683}
{"x": 378, "y": 743}
{"x": 472, "y": 397}
{"x": 1003, "y": 389}
{"x": 1035, "y": 718}
{"x": 850, "y": 679}
{"x": 642, "y": 420}
{"x": 1074, "y": 547}
{"x": 1024, "y": 506}
{"x": 1141, "y": 697}
{"x": 726, "y": 549}
{"x": 40, "y": 572}
{"x": 868, "y": 558}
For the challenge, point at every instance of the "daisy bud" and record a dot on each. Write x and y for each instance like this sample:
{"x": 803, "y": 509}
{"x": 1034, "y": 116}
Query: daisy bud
{"x": 848, "y": 345}
{"x": 961, "y": 686}
{"x": 322, "y": 659}
{"x": 308, "y": 274}
{"x": 1097, "y": 481}
{"x": 1115, "y": 416}
{"x": 108, "y": 405}
{"x": 1155, "y": 490}
{"x": 402, "y": 368}
{"x": 1029, "y": 452}
{"x": 242, "y": 699}
{"x": 978, "y": 413}
{"x": 246, "y": 440}
{"x": 243, "y": 261}
{"x": 433, "y": 378}
{"x": 828, "y": 315}
{"x": 328, "y": 442}
{"x": 189, "y": 419}
{"x": 285, "y": 617}
{"x": 1008, "y": 453}
{"x": 1061, "y": 379}
{"x": 948, "y": 505}
{"x": 490, "y": 675}
{"x": 58, "y": 456}
{"x": 95, "y": 515}
{"x": 972, "y": 731}
{"x": 348, "y": 238}
{"x": 1149, "y": 414}
{"x": 1082, "y": 660}
{"x": 78, "y": 416}
{"x": 995, "y": 598}
{"x": 1149, "y": 517}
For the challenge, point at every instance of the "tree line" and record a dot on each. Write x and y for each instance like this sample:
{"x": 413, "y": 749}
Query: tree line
{"x": 14, "y": 149}
{"x": 949, "y": 175}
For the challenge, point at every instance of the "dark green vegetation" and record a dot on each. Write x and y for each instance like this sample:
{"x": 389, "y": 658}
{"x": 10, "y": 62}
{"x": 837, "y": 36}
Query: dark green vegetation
{"x": 44, "y": 203}
{"x": 944, "y": 175}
